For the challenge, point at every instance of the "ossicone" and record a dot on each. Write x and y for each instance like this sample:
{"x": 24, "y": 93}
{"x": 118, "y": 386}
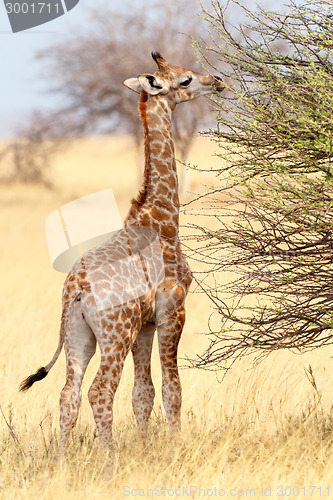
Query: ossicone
{"x": 159, "y": 59}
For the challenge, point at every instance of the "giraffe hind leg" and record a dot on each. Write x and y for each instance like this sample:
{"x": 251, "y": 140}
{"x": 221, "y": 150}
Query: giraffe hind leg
{"x": 169, "y": 333}
{"x": 114, "y": 348}
{"x": 80, "y": 346}
{"x": 143, "y": 390}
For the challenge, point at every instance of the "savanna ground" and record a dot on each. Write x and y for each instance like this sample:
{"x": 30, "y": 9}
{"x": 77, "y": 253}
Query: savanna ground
{"x": 265, "y": 430}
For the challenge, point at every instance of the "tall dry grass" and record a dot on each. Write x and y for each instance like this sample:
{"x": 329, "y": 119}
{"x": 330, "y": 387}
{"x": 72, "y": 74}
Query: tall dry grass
{"x": 262, "y": 430}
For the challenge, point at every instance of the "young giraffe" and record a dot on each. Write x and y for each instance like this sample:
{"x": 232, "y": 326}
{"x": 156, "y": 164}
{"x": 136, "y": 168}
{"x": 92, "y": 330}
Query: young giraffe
{"x": 95, "y": 307}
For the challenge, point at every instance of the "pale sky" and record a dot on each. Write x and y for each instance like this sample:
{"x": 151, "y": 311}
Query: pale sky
{"x": 22, "y": 86}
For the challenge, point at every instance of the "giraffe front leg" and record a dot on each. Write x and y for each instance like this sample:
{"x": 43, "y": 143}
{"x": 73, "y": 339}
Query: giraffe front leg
{"x": 169, "y": 333}
{"x": 143, "y": 390}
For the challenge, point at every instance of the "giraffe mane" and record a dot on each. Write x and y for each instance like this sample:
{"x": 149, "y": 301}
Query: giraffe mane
{"x": 140, "y": 199}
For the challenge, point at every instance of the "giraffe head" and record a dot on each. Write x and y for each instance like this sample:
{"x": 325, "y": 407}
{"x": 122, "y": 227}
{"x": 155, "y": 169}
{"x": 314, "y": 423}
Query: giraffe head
{"x": 177, "y": 84}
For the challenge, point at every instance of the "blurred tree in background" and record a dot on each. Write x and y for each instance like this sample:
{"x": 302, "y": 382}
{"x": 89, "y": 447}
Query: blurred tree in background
{"x": 273, "y": 218}
{"x": 87, "y": 70}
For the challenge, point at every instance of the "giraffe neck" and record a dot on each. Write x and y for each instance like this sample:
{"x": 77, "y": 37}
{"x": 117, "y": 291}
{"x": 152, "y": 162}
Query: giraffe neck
{"x": 158, "y": 202}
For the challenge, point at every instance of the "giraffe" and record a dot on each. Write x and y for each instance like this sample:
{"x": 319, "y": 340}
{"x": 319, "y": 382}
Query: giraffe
{"x": 95, "y": 307}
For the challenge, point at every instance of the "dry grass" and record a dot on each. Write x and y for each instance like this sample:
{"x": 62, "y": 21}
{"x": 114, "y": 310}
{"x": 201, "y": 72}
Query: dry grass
{"x": 263, "y": 426}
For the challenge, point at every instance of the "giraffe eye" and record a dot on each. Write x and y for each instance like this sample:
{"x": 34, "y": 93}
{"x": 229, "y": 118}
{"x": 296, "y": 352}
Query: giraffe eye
{"x": 186, "y": 82}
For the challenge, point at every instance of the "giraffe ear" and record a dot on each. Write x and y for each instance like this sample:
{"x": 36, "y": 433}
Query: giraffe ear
{"x": 133, "y": 84}
{"x": 152, "y": 84}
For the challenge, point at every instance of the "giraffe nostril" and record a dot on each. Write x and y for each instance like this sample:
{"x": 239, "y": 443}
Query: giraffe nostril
{"x": 218, "y": 83}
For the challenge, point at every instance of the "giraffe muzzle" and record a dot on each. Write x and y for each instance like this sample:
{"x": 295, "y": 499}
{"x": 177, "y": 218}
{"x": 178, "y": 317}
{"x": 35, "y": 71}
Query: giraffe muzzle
{"x": 218, "y": 83}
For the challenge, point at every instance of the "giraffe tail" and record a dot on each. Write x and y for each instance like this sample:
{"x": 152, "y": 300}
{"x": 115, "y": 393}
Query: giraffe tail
{"x": 44, "y": 370}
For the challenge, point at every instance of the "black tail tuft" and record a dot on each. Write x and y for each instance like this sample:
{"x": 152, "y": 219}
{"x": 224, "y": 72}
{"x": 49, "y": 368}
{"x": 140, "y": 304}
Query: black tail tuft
{"x": 28, "y": 382}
